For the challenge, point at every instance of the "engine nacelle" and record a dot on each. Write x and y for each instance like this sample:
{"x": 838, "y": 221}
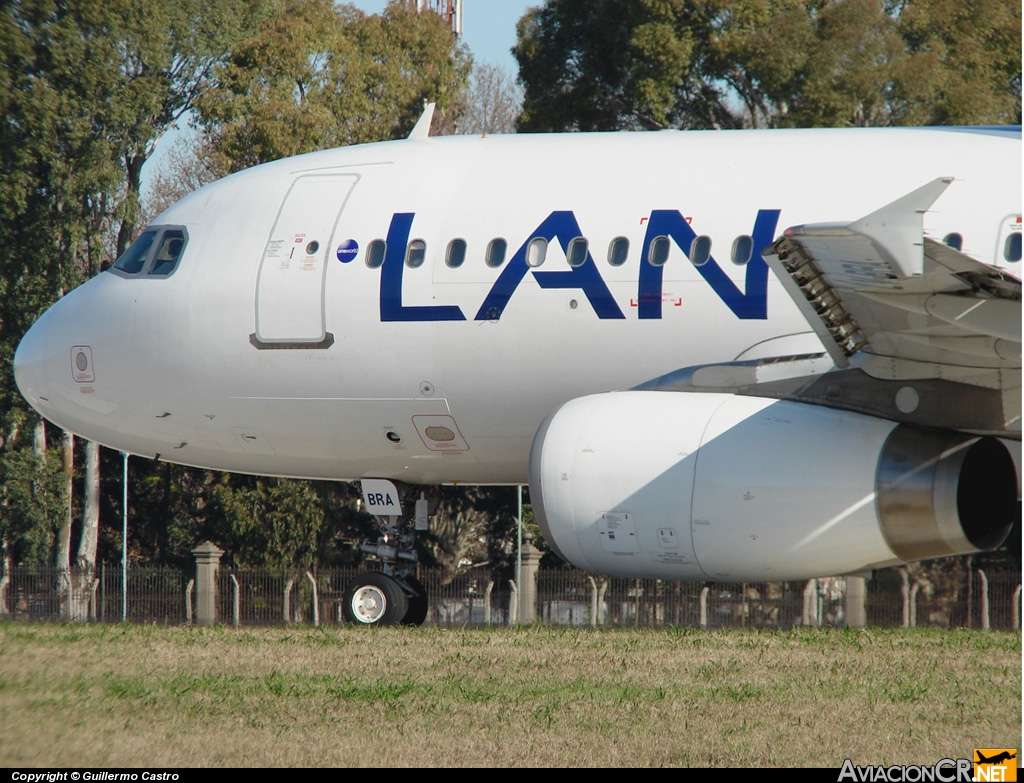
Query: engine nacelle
{"x": 723, "y": 487}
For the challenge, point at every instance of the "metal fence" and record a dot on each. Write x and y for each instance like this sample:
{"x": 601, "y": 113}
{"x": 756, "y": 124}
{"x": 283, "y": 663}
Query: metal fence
{"x": 966, "y": 597}
{"x": 155, "y": 595}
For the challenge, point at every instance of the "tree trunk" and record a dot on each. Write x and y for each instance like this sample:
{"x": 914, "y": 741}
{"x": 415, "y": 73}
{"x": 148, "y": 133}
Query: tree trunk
{"x": 86, "y": 557}
{"x": 133, "y": 186}
{"x": 5, "y": 580}
{"x": 39, "y": 439}
{"x": 85, "y": 560}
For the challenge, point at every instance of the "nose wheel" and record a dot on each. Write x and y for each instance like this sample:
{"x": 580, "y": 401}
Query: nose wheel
{"x": 375, "y": 599}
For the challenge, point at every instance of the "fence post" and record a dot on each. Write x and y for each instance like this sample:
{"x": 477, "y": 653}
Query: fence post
{"x": 528, "y": 588}
{"x": 743, "y": 605}
{"x": 188, "y": 600}
{"x": 704, "y": 591}
{"x": 1016, "y": 609}
{"x": 288, "y": 599}
{"x": 316, "y": 600}
{"x": 905, "y": 594}
{"x": 856, "y": 595}
{"x": 636, "y": 602}
{"x": 487, "y": 601}
{"x": 984, "y": 600}
{"x": 513, "y": 603}
{"x": 235, "y": 600}
{"x": 810, "y": 613}
{"x": 913, "y": 603}
{"x": 593, "y": 602}
{"x": 208, "y": 557}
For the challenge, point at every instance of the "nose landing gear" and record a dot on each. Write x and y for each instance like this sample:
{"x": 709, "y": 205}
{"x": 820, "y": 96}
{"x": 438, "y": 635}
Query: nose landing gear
{"x": 395, "y": 596}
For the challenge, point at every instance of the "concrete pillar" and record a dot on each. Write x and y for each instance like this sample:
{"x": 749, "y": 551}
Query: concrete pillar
{"x": 856, "y": 594}
{"x": 208, "y": 557}
{"x": 528, "y": 589}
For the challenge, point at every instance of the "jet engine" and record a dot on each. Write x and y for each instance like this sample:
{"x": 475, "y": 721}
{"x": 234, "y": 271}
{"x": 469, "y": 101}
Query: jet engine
{"x": 722, "y": 487}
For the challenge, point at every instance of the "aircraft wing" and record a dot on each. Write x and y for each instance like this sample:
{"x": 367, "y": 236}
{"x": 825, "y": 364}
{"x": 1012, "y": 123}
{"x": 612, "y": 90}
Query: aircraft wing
{"x": 903, "y": 308}
{"x": 914, "y": 330}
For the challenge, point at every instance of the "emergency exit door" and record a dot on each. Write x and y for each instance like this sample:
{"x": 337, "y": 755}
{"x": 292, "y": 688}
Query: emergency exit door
{"x": 293, "y": 271}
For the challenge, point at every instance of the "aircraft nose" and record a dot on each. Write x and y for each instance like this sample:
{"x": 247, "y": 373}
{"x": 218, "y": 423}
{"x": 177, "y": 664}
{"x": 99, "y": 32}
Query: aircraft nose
{"x": 30, "y": 362}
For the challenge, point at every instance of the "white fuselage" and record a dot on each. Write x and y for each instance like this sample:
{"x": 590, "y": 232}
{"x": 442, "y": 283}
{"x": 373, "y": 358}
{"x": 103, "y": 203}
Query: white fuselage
{"x": 253, "y": 358}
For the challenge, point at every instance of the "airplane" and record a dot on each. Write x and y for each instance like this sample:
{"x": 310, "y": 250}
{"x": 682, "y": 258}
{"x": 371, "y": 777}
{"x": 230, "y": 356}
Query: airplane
{"x": 998, "y": 758}
{"x": 713, "y": 355}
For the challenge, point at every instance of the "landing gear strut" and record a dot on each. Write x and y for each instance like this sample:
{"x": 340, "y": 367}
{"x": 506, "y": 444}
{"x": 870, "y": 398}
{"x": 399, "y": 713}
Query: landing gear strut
{"x": 396, "y": 595}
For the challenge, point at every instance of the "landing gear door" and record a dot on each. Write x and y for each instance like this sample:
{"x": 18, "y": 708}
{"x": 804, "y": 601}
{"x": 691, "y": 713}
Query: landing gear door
{"x": 290, "y": 285}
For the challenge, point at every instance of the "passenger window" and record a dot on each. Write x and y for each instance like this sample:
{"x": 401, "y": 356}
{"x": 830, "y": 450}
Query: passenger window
{"x": 375, "y": 253}
{"x": 134, "y": 258}
{"x": 456, "y": 254}
{"x": 1011, "y": 248}
{"x": 576, "y": 255}
{"x": 536, "y": 251}
{"x": 416, "y": 254}
{"x": 618, "y": 251}
{"x": 495, "y": 255}
{"x": 954, "y": 240}
{"x": 700, "y": 250}
{"x": 742, "y": 249}
{"x": 168, "y": 252}
{"x": 657, "y": 255}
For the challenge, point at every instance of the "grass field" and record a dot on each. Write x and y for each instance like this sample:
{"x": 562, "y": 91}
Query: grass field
{"x": 90, "y": 696}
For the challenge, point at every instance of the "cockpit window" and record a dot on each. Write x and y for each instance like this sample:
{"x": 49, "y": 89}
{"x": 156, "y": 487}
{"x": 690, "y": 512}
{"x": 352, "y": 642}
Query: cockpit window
{"x": 134, "y": 257}
{"x": 155, "y": 253}
{"x": 168, "y": 252}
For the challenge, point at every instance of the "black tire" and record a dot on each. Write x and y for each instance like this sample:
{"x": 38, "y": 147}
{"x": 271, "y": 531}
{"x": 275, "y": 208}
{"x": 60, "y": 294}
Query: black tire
{"x": 416, "y": 612}
{"x": 374, "y": 599}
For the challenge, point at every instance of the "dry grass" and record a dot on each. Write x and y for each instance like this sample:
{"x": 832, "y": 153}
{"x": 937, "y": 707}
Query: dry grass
{"x": 132, "y": 696}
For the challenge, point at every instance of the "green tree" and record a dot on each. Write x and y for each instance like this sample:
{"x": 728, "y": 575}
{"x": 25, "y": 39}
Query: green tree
{"x": 275, "y": 522}
{"x": 31, "y": 499}
{"x": 316, "y": 75}
{"x": 87, "y": 88}
{"x": 615, "y": 64}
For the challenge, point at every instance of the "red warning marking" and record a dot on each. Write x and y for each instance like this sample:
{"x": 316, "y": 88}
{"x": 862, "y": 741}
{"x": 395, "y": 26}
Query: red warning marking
{"x": 650, "y": 297}
{"x": 689, "y": 220}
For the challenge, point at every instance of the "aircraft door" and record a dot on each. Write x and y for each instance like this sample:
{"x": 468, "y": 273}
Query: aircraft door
{"x": 290, "y": 285}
